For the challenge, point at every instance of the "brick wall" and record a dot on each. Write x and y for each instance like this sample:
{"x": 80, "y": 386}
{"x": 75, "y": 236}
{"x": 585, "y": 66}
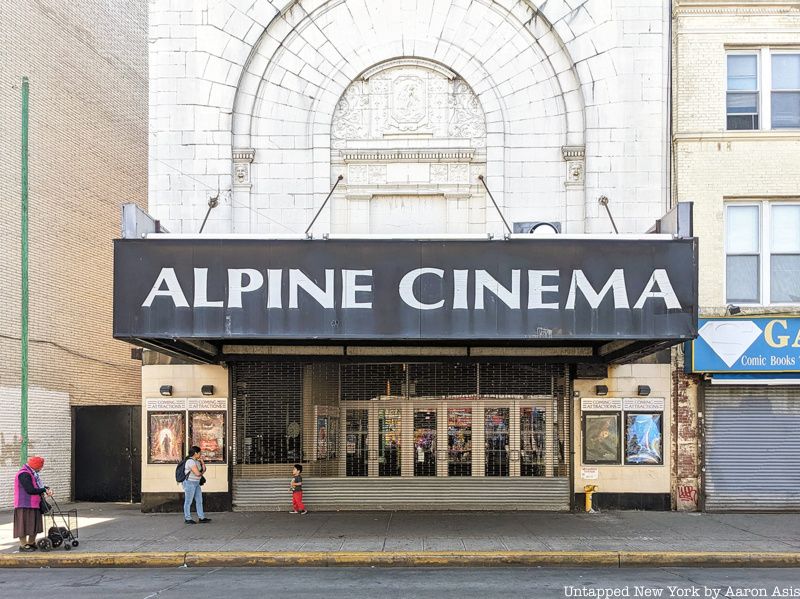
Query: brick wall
{"x": 87, "y": 67}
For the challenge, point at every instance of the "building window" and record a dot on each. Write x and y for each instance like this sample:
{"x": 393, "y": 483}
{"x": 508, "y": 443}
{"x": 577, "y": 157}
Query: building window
{"x": 763, "y": 89}
{"x": 742, "y": 259}
{"x": 742, "y": 97}
{"x": 762, "y": 247}
{"x": 785, "y": 91}
{"x": 784, "y": 267}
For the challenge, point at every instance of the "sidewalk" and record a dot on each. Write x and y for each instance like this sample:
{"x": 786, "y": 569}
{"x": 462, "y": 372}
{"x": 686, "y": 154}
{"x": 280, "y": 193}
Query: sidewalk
{"x": 122, "y": 529}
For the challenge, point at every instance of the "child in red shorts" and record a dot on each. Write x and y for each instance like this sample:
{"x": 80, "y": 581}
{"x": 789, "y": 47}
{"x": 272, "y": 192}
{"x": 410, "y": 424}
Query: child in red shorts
{"x": 296, "y": 488}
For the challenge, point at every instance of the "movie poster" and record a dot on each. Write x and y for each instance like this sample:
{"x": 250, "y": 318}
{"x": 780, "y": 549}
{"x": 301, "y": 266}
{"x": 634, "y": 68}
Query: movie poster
{"x": 601, "y": 442}
{"x": 207, "y": 431}
{"x": 167, "y": 438}
{"x": 643, "y": 439}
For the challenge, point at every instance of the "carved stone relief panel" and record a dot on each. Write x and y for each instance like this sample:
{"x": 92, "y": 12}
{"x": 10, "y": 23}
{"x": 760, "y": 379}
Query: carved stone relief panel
{"x": 409, "y": 135}
{"x": 408, "y": 99}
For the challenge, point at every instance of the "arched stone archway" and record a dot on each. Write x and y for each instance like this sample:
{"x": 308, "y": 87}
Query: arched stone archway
{"x": 309, "y": 53}
{"x": 409, "y": 137}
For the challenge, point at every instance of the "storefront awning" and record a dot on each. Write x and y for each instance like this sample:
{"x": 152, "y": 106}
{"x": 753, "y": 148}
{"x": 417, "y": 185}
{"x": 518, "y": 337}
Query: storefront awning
{"x": 577, "y": 299}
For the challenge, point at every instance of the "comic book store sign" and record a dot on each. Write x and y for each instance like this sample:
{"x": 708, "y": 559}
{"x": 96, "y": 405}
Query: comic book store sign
{"x": 381, "y": 289}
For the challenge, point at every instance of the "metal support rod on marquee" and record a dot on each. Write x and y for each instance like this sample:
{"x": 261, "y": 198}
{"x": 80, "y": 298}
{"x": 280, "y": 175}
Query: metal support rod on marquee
{"x": 330, "y": 193}
{"x": 495, "y": 204}
{"x": 603, "y": 201}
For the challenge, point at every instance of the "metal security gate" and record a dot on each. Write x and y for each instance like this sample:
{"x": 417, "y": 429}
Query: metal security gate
{"x": 390, "y": 435}
{"x": 751, "y": 448}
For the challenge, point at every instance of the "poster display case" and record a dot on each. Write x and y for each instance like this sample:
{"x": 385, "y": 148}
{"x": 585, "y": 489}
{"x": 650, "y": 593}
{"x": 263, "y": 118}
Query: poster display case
{"x": 207, "y": 431}
{"x": 166, "y": 437}
{"x": 643, "y": 438}
{"x": 601, "y": 438}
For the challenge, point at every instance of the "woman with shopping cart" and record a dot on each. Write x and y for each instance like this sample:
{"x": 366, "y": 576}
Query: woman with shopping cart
{"x": 28, "y": 491}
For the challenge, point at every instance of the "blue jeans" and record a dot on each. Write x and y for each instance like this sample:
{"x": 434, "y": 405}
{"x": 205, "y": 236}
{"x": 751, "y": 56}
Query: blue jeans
{"x": 192, "y": 492}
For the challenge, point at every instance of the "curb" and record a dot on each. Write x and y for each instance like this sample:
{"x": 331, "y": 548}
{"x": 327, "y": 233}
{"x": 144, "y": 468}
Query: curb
{"x": 429, "y": 559}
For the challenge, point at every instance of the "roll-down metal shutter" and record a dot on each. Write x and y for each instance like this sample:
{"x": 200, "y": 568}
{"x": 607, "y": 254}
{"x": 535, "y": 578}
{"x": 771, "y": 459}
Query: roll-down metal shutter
{"x": 752, "y": 447}
{"x": 268, "y": 494}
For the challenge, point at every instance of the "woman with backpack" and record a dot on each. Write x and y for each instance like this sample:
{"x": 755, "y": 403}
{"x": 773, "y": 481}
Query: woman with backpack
{"x": 193, "y": 470}
{"x": 28, "y": 503}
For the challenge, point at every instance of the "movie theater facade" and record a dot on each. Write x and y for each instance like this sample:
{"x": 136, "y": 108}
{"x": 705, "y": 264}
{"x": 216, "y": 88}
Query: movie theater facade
{"x": 425, "y": 348}
{"x": 407, "y": 374}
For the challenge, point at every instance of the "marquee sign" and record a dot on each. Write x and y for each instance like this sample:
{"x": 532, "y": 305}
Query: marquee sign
{"x": 537, "y": 289}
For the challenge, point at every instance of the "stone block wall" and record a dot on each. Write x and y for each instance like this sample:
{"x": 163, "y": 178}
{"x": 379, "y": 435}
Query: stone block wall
{"x": 243, "y": 96}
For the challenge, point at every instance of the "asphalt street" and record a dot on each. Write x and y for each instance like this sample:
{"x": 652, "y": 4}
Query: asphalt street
{"x": 371, "y": 583}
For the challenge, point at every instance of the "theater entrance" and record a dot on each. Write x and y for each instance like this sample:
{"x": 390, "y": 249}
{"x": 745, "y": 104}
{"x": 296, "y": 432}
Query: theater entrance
{"x": 403, "y": 435}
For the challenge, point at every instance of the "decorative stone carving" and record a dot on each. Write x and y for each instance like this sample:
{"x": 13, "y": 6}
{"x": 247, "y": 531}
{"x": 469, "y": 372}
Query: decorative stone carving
{"x": 377, "y": 174}
{"x": 574, "y": 156}
{"x": 438, "y": 173}
{"x": 408, "y": 131}
{"x": 409, "y": 103}
{"x": 350, "y": 116}
{"x": 574, "y": 172}
{"x": 408, "y": 97}
{"x": 357, "y": 174}
{"x": 459, "y": 173}
{"x": 242, "y": 159}
{"x": 467, "y": 115}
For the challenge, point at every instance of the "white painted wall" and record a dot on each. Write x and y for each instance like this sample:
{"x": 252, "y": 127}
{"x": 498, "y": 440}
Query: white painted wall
{"x": 238, "y": 80}
{"x": 49, "y": 434}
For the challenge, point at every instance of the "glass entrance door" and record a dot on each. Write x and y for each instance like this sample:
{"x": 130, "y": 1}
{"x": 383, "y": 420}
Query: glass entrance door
{"x": 356, "y": 437}
{"x": 389, "y": 427}
{"x": 496, "y": 437}
{"x": 533, "y": 441}
{"x": 459, "y": 441}
{"x": 425, "y": 443}
{"x": 393, "y": 438}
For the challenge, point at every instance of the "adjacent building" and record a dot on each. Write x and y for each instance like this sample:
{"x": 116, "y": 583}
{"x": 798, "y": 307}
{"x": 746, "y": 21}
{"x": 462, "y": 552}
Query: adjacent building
{"x": 86, "y": 64}
{"x": 736, "y": 138}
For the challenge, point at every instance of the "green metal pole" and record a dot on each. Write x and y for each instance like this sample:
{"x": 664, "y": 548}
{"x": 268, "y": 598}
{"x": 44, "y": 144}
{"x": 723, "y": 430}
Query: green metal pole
{"x": 23, "y": 452}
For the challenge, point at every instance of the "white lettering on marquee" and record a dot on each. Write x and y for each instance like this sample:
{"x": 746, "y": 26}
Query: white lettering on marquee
{"x": 407, "y": 288}
{"x": 173, "y": 290}
{"x": 510, "y": 297}
{"x": 357, "y": 289}
{"x": 350, "y": 288}
{"x": 660, "y": 278}
{"x": 298, "y": 280}
{"x": 616, "y": 282}
{"x": 236, "y": 285}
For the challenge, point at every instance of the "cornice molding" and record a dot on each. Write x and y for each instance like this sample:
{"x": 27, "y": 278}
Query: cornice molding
{"x": 243, "y": 154}
{"x": 573, "y": 152}
{"x": 405, "y": 155}
{"x": 725, "y": 136}
{"x": 741, "y": 8}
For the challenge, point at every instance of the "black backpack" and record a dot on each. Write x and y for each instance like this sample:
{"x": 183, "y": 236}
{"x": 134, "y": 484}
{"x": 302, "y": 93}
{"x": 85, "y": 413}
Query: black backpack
{"x": 180, "y": 471}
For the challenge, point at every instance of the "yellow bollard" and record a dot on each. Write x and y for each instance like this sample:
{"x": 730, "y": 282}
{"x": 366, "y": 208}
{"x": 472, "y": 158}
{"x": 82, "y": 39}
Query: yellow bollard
{"x": 589, "y": 490}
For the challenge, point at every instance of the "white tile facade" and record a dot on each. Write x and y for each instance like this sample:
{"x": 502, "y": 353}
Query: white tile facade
{"x": 243, "y": 96}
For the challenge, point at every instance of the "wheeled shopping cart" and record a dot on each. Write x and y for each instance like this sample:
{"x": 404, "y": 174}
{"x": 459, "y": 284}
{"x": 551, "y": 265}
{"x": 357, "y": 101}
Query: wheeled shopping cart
{"x": 63, "y": 529}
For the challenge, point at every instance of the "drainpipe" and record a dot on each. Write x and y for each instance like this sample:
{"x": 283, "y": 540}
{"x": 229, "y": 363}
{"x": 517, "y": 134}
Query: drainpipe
{"x": 23, "y": 452}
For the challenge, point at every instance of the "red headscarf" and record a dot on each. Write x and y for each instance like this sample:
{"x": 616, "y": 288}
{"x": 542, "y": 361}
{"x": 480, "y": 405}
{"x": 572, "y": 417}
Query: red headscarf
{"x": 36, "y": 462}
